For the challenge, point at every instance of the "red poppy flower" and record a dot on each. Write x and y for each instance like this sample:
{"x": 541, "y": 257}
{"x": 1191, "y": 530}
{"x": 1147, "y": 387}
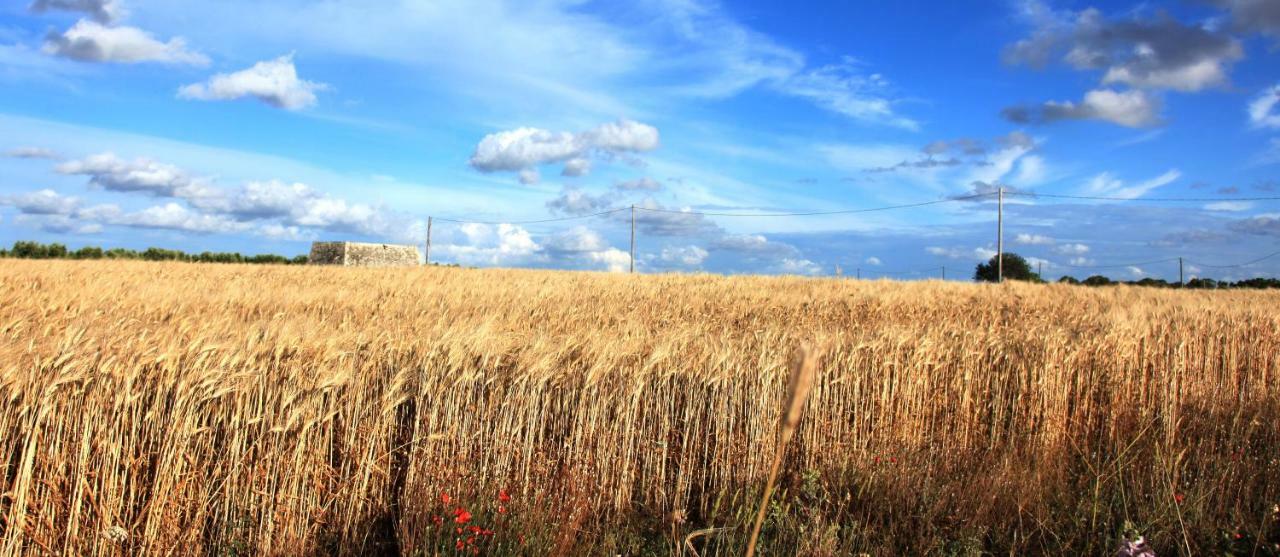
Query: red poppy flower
{"x": 1178, "y": 498}
{"x": 502, "y": 509}
{"x": 504, "y": 496}
{"x": 461, "y": 516}
{"x": 459, "y": 546}
{"x": 444, "y": 497}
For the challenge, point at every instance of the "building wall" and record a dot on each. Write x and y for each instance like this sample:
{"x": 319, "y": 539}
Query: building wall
{"x": 328, "y": 253}
{"x": 355, "y": 254}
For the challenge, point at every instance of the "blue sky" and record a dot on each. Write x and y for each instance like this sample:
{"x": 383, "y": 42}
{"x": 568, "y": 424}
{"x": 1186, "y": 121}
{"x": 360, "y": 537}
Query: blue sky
{"x": 259, "y": 126}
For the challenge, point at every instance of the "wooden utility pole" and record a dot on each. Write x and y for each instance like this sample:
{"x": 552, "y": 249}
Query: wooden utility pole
{"x": 859, "y": 273}
{"x": 944, "y": 272}
{"x": 426, "y": 255}
{"x": 1040, "y": 269}
{"x": 633, "y": 238}
{"x": 1000, "y": 238}
{"x": 1180, "y": 282}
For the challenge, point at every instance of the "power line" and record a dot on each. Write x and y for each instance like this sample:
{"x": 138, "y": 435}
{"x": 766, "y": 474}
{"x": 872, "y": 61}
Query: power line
{"x": 816, "y": 213}
{"x": 1117, "y": 266}
{"x": 1170, "y": 199}
{"x": 1246, "y": 263}
{"x": 557, "y": 219}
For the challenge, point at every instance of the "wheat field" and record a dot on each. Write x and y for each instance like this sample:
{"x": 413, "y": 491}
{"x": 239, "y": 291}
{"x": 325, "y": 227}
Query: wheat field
{"x": 192, "y": 409}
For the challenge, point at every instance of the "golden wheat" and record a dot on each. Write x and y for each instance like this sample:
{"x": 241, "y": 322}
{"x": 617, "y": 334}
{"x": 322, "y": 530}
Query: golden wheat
{"x": 150, "y": 408}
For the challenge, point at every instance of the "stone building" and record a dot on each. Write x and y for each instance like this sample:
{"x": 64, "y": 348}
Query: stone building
{"x": 358, "y": 254}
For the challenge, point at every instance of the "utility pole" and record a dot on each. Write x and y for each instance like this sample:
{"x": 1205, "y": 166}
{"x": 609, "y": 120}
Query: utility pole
{"x": 1040, "y": 269}
{"x": 426, "y": 255}
{"x": 944, "y": 272}
{"x": 633, "y": 238}
{"x": 1180, "y": 282}
{"x": 1000, "y": 238}
{"x": 859, "y": 273}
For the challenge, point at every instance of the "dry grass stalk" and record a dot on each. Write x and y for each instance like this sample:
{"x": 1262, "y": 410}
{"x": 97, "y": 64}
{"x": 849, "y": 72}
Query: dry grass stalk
{"x": 804, "y": 371}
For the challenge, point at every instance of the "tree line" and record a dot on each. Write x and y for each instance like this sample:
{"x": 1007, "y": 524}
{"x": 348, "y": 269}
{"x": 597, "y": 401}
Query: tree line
{"x": 1017, "y": 268}
{"x": 37, "y": 250}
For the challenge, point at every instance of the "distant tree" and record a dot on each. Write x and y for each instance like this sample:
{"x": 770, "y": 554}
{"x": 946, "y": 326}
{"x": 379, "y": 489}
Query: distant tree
{"x": 1097, "y": 280}
{"x": 87, "y": 252}
{"x": 1015, "y": 268}
{"x": 1068, "y": 279}
{"x": 299, "y": 260}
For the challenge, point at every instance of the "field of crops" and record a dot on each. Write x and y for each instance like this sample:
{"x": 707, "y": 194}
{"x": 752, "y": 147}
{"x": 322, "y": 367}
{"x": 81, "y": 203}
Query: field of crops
{"x": 176, "y": 408}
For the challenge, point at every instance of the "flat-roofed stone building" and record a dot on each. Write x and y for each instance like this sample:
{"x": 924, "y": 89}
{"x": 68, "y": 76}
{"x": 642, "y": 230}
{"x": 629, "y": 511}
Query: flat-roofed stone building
{"x": 359, "y": 254}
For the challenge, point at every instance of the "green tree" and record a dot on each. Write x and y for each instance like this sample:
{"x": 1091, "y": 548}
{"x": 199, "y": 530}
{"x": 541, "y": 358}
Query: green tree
{"x": 1015, "y": 268}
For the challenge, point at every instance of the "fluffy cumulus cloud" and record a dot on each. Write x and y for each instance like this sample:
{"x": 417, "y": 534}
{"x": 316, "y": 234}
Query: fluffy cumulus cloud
{"x": 42, "y": 202}
{"x": 873, "y": 261}
{"x": 1071, "y": 249}
{"x": 112, "y": 173}
{"x": 90, "y": 41}
{"x": 1262, "y": 110}
{"x": 487, "y": 245}
{"x": 576, "y": 167}
{"x": 1032, "y": 240}
{"x": 1131, "y": 108}
{"x": 524, "y": 149}
{"x": 1254, "y": 16}
{"x": 274, "y": 82}
{"x": 686, "y": 256}
{"x": 655, "y": 219}
{"x": 574, "y": 201}
{"x": 272, "y": 208}
{"x": 102, "y": 11}
{"x": 580, "y": 246}
{"x": 975, "y": 254}
{"x": 1158, "y": 53}
{"x": 1107, "y": 185}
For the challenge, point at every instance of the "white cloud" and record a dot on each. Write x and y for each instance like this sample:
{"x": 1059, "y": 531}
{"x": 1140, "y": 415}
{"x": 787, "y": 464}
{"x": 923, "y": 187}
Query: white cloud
{"x": 1135, "y": 271}
{"x": 1032, "y": 240}
{"x": 88, "y": 41}
{"x": 1127, "y": 108}
{"x": 613, "y": 260}
{"x": 32, "y": 153}
{"x": 42, "y": 202}
{"x": 1072, "y": 249}
{"x": 176, "y": 217}
{"x": 575, "y": 201}
{"x": 102, "y": 11}
{"x": 1082, "y": 262}
{"x": 274, "y": 82}
{"x": 842, "y": 89}
{"x": 107, "y": 171}
{"x": 529, "y": 176}
{"x": 791, "y": 266}
{"x": 872, "y": 260}
{"x": 523, "y": 149}
{"x": 1262, "y": 112}
{"x": 576, "y": 167}
{"x": 1031, "y": 171}
{"x": 487, "y": 245}
{"x": 975, "y": 254}
{"x": 1106, "y": 185}
{"x": 639, "y": 184}
{"x": 688, "y": 256}
{"x": 1229, "y": 206}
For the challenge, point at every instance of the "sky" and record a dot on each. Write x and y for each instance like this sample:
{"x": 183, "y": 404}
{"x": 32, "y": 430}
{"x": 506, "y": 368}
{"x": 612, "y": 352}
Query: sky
{"x": 261, "y": 126}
